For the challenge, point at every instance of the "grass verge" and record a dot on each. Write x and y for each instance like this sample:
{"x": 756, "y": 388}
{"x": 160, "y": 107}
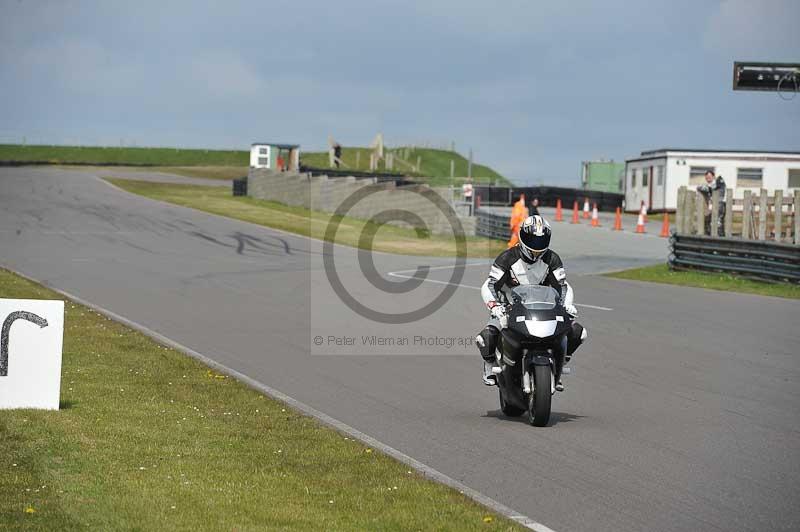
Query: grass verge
{"x": 122, "y": 155}
{"x": 150, "y": 439}
{"x": 298, "y": 220}
{"x": 661, "y": 273}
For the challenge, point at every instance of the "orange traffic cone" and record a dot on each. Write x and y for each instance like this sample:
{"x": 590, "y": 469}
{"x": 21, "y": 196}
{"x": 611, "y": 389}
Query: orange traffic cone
{"x": 640, "y": 224}
{"x": 559, "y": 215}
{"x": 595, "y": 219}
{"x": 665, "y": 225}
{"x": 618, "y": 220}
{"x": 575, "y": 213}
{"x": 586, "y": 208}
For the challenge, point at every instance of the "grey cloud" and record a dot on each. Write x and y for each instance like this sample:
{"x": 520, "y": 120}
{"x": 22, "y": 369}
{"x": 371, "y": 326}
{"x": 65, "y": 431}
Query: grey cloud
{"x": 533, "y": 87}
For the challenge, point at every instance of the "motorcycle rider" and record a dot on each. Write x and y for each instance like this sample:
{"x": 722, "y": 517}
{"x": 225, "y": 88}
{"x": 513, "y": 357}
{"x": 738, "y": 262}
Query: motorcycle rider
{"x": 531, "y": 261}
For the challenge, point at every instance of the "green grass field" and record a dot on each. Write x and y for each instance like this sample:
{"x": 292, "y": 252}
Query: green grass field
{"x": 661, "y": 273}
{"x": 150, "y": 439}
{"x": 388, "y": 239}
{"x": 123, "y": 156}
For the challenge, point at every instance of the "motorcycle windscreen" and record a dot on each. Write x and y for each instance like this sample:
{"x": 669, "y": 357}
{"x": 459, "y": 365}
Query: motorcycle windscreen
{"x": 541, "y": 329}
{"x": 535, "y": 297}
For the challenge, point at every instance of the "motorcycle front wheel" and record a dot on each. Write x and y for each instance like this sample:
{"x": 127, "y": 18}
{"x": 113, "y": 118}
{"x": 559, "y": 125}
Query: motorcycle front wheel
{"x": 539, "y": 401}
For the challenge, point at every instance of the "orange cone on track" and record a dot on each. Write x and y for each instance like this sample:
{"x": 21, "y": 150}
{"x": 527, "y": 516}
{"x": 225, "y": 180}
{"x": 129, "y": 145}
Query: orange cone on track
{"x": 595, "y": 219}
{"x": 575, "y": 213}
{"x": 640, "y": 224}
{"x": 618, "y": 220}
{"x": 559, "y": 214}
{"x": 665, "y": 226}
{"x": 586, "y": 208}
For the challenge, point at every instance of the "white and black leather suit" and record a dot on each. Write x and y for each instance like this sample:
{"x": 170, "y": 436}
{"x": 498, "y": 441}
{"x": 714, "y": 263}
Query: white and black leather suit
{"x": 512, "y": 268}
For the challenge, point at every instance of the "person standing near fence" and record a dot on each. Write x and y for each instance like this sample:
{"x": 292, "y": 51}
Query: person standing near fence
{"x": 714, "y": 183}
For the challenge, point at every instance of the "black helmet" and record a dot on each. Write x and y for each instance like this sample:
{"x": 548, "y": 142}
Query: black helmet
{"x": 534, "y": 236}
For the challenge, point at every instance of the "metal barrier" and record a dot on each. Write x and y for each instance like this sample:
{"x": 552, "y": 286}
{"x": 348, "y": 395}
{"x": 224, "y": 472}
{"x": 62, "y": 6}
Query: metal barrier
{"x": 492, "y": 222}
{"x": 606, "y": 201}
{"x": 762, "y": 260}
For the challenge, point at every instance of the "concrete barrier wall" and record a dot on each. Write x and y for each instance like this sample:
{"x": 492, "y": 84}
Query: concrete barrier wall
{"x": 323, "y": 193}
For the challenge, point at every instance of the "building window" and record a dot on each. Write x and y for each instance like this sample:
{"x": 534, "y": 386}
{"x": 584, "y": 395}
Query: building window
{"x": 262, "y": 151}
{"x": 697, "y": 175}
{"x": 794, "y": 177}
{"x": 263, "y": 161}
{"x": 645, "y": 176}
{"x": 749, "y": 177}
{"x": 633, "y": 178}
{"x": 660, "y": 176}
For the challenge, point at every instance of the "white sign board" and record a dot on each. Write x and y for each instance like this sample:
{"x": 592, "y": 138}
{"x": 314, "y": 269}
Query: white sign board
{"x": 31, "y": 336}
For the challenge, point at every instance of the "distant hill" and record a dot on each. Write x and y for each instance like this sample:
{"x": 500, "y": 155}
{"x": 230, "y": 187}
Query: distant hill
{"x": 434, "y": 164}
{"x": 122, "y": 156}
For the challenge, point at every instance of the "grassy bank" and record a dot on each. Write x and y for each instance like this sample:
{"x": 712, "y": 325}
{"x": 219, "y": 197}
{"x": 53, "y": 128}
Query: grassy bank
{"x": 388, "y": 239}
{"x": 123, "y": 156}
{"x": 150, "y": 439}
{"x": 229, "y": 164}
{"x": 434, "y": 165}
{"x": 714, "y": 281}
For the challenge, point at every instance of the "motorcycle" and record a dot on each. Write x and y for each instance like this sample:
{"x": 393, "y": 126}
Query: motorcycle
{"x": 531, "y": 352}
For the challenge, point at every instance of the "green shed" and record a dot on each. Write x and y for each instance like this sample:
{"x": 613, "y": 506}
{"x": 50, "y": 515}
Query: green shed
{"x": 603, "y": 176}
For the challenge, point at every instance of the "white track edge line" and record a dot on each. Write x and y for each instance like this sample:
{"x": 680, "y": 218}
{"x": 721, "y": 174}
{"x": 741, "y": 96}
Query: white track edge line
{"x": 340, "y": 426}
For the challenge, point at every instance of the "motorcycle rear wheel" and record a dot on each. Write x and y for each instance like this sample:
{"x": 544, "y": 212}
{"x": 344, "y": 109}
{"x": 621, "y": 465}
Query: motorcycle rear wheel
{"x": 539, "y": 402}
{"x": 507, "y": 409}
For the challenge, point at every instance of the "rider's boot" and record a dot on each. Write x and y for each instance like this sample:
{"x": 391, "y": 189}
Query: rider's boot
{"x": 560, "y": 360}
{"x": 576, "y": 337}
{"x": 489, "y": 378}
{"x": 487, "y": 343}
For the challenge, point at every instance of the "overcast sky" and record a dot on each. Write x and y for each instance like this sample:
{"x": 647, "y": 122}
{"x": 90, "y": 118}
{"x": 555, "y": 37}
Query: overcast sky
{"x": 533, "y": 87}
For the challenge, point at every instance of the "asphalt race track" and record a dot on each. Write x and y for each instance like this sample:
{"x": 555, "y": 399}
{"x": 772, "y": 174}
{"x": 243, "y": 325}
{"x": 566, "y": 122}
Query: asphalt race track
{"x": 682, "y": 413}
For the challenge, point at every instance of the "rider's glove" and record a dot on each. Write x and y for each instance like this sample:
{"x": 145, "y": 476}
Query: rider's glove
{"x": 571, "y": 310}
{"x": 498, "y": 311}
